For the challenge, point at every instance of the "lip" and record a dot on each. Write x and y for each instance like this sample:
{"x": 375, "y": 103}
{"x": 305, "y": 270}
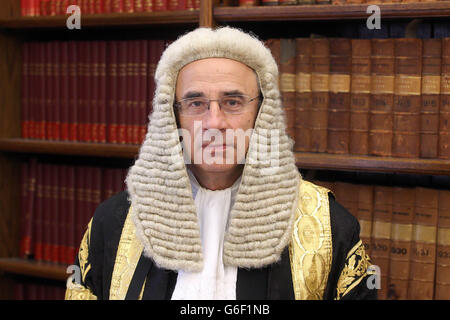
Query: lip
{"x": 218, "y": 146}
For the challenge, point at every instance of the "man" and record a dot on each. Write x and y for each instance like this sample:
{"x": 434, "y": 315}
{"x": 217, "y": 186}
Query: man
{"x": 228, "y": 216}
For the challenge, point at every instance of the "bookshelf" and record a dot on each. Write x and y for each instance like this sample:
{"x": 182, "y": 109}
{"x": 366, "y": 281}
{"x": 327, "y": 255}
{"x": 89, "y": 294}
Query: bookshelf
{"x": 14, "y": 29}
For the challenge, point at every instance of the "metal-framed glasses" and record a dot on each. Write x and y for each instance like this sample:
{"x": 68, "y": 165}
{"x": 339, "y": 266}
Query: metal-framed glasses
{"x": 229, "y": 104}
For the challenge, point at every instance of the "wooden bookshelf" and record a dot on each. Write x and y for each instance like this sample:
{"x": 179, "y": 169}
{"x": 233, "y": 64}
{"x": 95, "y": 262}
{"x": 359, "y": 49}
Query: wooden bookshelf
{"x": 106, "y": 20}
{"x": 31, "y": 268}
{"x": 330, "y": 12}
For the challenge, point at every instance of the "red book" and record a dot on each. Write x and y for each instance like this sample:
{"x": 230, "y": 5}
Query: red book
{"x": 41, "y": 75}
{"x": 64, "y": 4}
{"x": 138, "y": 5}
{"x": 28, "y": 182}
{"x": 133, "y": 91}
{"x": 96, "y": 189}
{"x": 70, "y": 216}
{"x": 56, "y": 101}
{"x": 99, "y": 6}
{"x": 88, "y": 90}
{"x": 117, "y": 6}
{"x": 101, "y": 98}
{"x": 35, "y": 7}
{"x": 88, "y": 188}
{"x": 49, "y": 89}
{"x": 54, "y": 213}
{"x": 38, "y": 217}
{"x": 26, "y": 64}
{"x": 112, "y": 82}
{"x": 160, "y": 5}
{"x": 63, "y": 205}
{"x": 53, "y": 8}
{"x": 173, "y": 5}
{"x": 64, "y": 91}
{"x": 44, "y": 7}
{"x": 25, "y": 7}
{"x": 107, "y": 183}
{"x": 128, "y": 5}
{"x": 147, "y": 5}
{"x": 80, "y": 176}
{"x": 143, "y": 98}
{"x": 33, "y": 90}
{"x": 73, "y": 91}
{"x": 151, "y": 65}
{"x": 107, "y": 6}
{"x": 47, "y": 216}
{"x": 94, "y": 73}
{"x": 122, "y": 93}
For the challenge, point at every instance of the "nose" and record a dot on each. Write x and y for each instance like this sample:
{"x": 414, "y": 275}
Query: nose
{"x": 215, "y": 117}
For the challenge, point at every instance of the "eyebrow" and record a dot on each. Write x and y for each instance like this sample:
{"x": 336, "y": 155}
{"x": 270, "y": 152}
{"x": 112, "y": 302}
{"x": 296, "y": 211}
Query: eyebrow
{"x": 196, "y": 94}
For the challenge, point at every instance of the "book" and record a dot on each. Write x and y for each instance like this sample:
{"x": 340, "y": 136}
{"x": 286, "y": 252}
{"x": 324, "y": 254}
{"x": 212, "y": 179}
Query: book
{"x": 401, "y": 234}
{"x": 442, "y": 285}
{"x": 287, "y": 82}
{"x": 381, "y": 234}
{"x": 320, "y": 69}
{"x": 339, "y": 95}
{"x": 360, "y": 96}
{"x": 382, "y": 97}
{"x": 364, "y": 214}
{"x": 407, "y": 98}
{"x": 302, "y": 94}
{"x": 431, "y": 85}
{"x": 444, "y": 103}
{"x": 423, "y": 252}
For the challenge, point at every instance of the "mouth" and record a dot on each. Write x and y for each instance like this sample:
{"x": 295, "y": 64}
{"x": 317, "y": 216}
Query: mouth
{"x": 215, "y": 146}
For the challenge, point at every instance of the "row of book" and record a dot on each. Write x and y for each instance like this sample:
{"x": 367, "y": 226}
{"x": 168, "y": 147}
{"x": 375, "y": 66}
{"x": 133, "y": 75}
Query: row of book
{"x": 406, "y": 233}
{"x": 381, "y": 97}
{"x": 59, "y": 7}
{"x": 57, "y": 203}
{"x": 253, "y": 3}
{"x": 88, "y": 91}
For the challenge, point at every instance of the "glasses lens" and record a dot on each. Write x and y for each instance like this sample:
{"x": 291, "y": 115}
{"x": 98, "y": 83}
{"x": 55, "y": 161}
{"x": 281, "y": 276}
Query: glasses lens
{"x": 233, "y": 104}
{"x": 194, "y": 106}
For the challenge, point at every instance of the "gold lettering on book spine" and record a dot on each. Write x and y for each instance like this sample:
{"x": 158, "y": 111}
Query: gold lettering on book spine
{"x": 311, "y": 248}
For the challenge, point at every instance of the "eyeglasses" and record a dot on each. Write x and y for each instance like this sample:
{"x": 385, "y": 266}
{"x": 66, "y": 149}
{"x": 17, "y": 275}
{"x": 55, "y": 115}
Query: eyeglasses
{"x": 198, "y": 106}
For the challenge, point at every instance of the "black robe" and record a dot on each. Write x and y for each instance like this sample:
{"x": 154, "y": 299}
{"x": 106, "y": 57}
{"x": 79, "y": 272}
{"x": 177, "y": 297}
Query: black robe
{"x": 271, "y": 282}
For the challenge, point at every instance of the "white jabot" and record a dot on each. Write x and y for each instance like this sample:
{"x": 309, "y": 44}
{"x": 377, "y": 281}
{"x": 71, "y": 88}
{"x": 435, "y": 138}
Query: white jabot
{"x": 215, "y": 281}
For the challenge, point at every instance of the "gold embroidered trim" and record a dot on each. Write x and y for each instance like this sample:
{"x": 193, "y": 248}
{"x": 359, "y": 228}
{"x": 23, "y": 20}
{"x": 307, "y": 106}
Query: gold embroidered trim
{"x": 83, "y": 252}
{"x": 355, "y": 269}
{"x": 78, "y": 292}
{"x": 311, "y": 248}
{"x": 128, "y": 254}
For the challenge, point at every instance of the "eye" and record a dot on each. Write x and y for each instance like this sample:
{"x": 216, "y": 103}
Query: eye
{"x": 233, "y": 102}
{"x": 195, "y": 103}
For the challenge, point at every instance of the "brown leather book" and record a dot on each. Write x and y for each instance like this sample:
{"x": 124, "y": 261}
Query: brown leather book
{"x": 431, "y": 87}
{"x": 112, "y": 89}
{"x": 381, "y": 234}
{"x": 287, "y": 82}
{"x": 444, "y": 112}
{"x": 346, "y": 195}
{"x": 339, "y": 91}
{"x": 38, "y": 217}
{"x": 364, "y": 214}
{"x": 275, "y": 48}
{"x": 423, "y": 255}
{"x": 360, "y": 96}
{"x": 28, "y": 207}
{"x": 382, "y": 97}
{"x": 407, "y": 99}
{"x": 26, "y": 84}
{"x": 33, "y": 89}
{"x": 320, "y": 68}
{"x": 401, "y": 233}
{"x": 303, "y": 94}
{"x": 442, "y": 285}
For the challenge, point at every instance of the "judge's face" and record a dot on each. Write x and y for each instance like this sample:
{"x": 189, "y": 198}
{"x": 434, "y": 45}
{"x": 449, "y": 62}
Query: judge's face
{"x": 218, "y": 138}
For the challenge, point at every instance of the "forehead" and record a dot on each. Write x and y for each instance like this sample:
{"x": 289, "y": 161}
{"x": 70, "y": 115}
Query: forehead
{"x": 216, "y": 70}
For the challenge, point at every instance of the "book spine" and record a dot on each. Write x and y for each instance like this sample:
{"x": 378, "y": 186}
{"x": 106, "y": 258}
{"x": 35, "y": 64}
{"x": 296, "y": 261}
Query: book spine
{"x": 73, "y": 90}
{"x": 49, "y": 90}
{"x": 63, "y": 221}
{"x": 107, "y": 183}
{"x": 99, "y": 6}
{"x": 56, "y": 101}
{"x": 46, "y": 216}
{"x": 55, "y": 213}
{"x": 101, "y": 99}
{"x": 33, "y": 89}
{"x": 38, "y": 218}
{"x": 112, "y": 82}
{"x": 25, "y": 115}
{"x": 401, "y": 233}
{"x": 382, "y": 97}
{"x": 160, "y": 5}
{"x": 381, "y": 234}
{"x": 442, "y": 286}
{"x": 81, "y": 208}
{"x": 89, "y": 90}
{"x": 249, "y": 3}
{"x": 108, "y": 6}
{"x": 81, "y": 75}
{"x": 320, "y": 94}
{"x": 339, "y": 92}
{"x": 143, "y": 83}
{"x": 287, "y": 82}
{"x": 117, "y": 6}
{"x": 303, "y": 94}
{"x": 275, "y": 48}
{"x": 71, "y": 215}
{"x": 345, "y": 194}
{"x": 407, "y": 99}
{"x": 365, "y": 214}
{"x": 25, "y": 237}
{"x": 88, "y": 195}
{"x": 122, "y": 92}
{"x": 431, "y": 87}
{"x": 138, "y": 5}
{"x": 41, "y": 116}
{"x": 173, "y": 5}
{"x": 423, "y": 255}
{"x": 28, "y": 207}
{"x": 94, "y": 105}
{"x": 360, "y": 96}
{"x": 270, "y": 2}
{"x": 444, "y": 103}
{"x": 65, "y": 88}
{"x": 132, "y": 91}
{"x": 147, "y": 5}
